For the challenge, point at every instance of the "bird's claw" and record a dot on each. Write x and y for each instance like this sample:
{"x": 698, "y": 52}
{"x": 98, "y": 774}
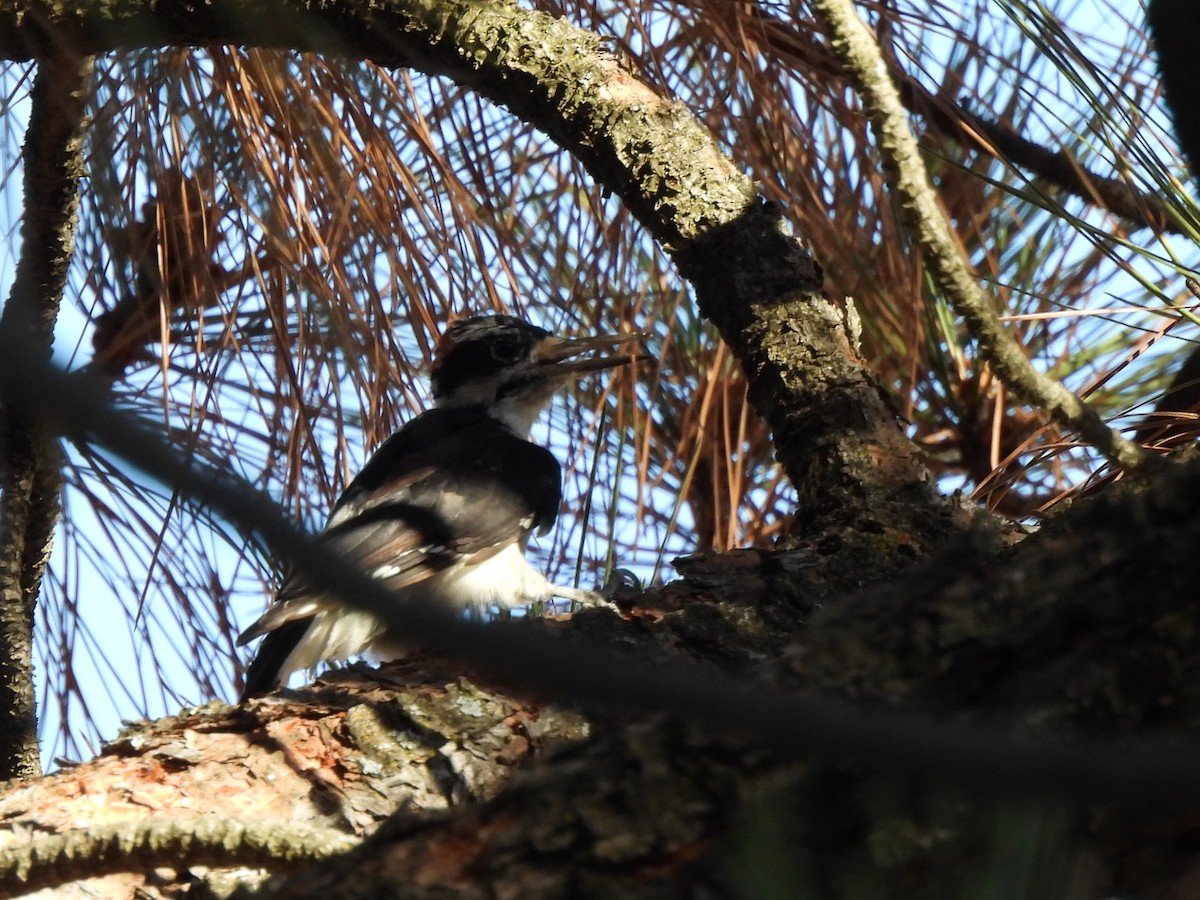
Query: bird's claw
{"x": 620, "y": 583}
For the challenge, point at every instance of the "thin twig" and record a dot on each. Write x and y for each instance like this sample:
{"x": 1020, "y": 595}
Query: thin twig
{"x": 802, "y": 51}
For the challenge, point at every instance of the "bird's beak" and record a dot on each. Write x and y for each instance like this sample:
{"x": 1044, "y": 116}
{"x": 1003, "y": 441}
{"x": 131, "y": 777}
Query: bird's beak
{"x": 558, "y": 353}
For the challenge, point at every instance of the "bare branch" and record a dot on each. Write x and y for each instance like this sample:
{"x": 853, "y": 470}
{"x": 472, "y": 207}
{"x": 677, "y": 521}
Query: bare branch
{"x": 53, "y": 860}
{"x": 30, "y": 465}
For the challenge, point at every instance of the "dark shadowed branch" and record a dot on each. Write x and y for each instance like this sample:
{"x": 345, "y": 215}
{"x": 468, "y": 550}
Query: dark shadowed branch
{"x": 599, "y": 677}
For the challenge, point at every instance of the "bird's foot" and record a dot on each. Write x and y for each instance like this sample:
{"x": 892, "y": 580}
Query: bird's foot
{"x": 582, "y": 599}
{"x": 621, "y": 587}
{"x": 620, "y": 583}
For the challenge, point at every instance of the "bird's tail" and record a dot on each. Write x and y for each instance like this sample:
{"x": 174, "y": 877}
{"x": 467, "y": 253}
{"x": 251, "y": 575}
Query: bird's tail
{"x": 266, "y": 671}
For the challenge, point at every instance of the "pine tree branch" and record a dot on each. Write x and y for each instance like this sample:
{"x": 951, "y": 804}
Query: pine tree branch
{"x": 908, "y": 177}
{"x": 30, "y": 467}
{"x": 596, "y": 675}
{"x": 51, "y": 860}
{"x": 835, "y": 431}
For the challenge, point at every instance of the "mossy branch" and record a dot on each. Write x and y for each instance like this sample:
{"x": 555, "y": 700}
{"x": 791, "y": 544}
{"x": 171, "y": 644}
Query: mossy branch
{"x": 53, "y": 860}
{"x": 858, "y": 50}
{"x": 752, "y": 278}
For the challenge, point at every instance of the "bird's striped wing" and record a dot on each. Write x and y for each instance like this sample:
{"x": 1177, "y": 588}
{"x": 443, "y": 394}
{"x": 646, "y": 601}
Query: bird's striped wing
{"x": 450, "y": 487}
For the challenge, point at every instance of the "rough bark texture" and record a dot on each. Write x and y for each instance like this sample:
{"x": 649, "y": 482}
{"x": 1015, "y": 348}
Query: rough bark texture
{"x": 29, "y": 462}
{"x": 332, "y": 762}
{"x": 487, "y": 795}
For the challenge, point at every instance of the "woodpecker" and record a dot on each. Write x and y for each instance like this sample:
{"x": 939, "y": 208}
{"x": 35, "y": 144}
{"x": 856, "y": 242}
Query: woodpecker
{"x": 442, "y": 512}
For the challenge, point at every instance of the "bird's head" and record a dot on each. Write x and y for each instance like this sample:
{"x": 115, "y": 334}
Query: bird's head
{"x": 510, "y": 368}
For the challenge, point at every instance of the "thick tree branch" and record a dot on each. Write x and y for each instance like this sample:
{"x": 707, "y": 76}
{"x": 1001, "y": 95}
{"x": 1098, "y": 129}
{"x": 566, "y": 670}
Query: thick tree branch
{"x": 29, "y": 464}
{"x": 853, "y": 41}
{"x": 835, "y": 433}
{"x": 599, "y": 676}
{"x": 299, "y": 776}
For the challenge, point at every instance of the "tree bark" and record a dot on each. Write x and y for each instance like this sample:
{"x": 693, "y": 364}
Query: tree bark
{"x": 29, "y": 459}
{"x": 1035, "y": 693}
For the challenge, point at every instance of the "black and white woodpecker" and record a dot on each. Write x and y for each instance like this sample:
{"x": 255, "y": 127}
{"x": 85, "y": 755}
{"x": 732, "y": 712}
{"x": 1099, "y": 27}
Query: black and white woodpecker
{"x": 443, "y": 510}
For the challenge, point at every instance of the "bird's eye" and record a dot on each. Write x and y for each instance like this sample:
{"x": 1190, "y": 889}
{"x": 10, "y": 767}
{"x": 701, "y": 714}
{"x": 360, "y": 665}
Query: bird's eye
{"x": 506, "y": 351}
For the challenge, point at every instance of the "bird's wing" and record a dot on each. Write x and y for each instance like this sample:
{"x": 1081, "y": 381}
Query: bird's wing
{"x": 447, "y": 487}
{"x": 422, "y": 461}
{"x": 450, "y": 483}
